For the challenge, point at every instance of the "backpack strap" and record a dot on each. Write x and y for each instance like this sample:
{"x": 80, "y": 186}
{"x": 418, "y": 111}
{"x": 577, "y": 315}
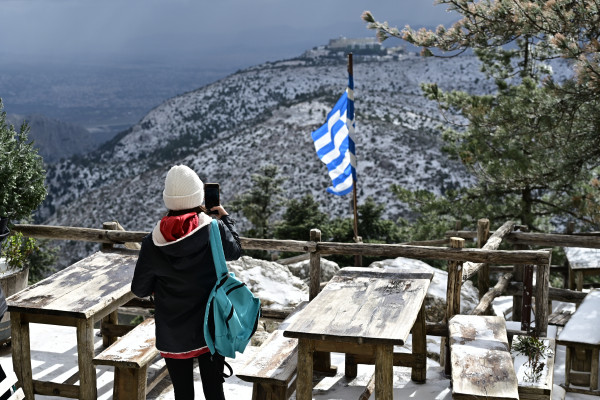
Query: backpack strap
{"x": 216, "y": 246}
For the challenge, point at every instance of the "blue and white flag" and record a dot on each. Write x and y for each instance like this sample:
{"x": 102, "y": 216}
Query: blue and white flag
{"x": 334, "y": 142}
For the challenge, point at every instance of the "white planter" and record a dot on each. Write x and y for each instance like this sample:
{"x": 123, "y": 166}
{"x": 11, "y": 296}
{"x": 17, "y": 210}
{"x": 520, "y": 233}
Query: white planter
{"x": 542, "y": 388}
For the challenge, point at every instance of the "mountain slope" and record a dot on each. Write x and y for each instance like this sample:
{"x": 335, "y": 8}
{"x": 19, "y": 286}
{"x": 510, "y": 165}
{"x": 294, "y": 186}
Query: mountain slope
{"x": 264, "y": 115}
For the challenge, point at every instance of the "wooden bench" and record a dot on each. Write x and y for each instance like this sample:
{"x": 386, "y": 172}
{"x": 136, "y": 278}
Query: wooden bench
{"x": 7, "y": 383}
{"x": 581, "y": 337}
{"x": 482, "y": 367}
{"x": 272, "y": 369}
{"x": 132, "y": 356}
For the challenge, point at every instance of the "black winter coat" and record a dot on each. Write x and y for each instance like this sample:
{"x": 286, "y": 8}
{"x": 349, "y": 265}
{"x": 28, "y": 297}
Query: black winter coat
{"x": 181, "y": 275}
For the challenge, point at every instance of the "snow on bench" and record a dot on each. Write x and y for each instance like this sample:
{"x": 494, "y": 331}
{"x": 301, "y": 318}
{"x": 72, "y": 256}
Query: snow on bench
{"x": 482, "y": 367}
{"x": 132, "y": 356}
{"x": 272, "y": 369}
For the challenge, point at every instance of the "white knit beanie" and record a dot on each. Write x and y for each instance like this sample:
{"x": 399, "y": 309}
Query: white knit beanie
{"x": 183, "y": 189}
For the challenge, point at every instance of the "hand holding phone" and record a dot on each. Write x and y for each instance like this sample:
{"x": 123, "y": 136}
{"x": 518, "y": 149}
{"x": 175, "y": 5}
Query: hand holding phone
{"x": 211, "y": 196}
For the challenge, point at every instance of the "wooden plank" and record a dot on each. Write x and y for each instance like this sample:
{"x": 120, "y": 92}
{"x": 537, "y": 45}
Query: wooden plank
{"x": 471, "y": 268}
{"x": 56, "y": 389}
{"x": 84, "y": 289}
{"x": 363, "y": 306}
{"x": 481, "y": 363}
{"x": 276, "y": 360}
{"x": 134, "y": 350}
{"x": 583, "y": 324}
{"x": 438, "y": 253}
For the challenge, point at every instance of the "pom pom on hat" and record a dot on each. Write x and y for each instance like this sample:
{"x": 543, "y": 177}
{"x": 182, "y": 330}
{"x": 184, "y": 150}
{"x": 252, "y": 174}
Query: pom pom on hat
{"x": 183, "y": 189}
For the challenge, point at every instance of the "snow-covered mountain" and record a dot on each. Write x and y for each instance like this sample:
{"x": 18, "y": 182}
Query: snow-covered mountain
{"x": 264, "y": 115}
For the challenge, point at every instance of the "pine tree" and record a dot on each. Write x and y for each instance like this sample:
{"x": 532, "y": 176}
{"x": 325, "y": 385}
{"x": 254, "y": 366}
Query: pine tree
{"x": 262, "y": 201}
{"x": 533, "y": 144}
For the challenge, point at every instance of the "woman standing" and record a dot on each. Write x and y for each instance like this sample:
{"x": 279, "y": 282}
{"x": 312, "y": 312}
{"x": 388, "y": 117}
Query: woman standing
{"x": 176, "y": 266}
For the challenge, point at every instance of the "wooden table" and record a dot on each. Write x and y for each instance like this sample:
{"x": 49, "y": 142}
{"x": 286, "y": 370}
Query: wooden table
{"x": 581, "y": 338}
{"x": 365, "y": 313}
{"x": 78, "y": 296}
{"x": 582, "y": 262}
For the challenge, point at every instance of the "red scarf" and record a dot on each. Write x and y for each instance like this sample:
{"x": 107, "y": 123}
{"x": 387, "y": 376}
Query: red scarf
{"x": 176, "y": 227}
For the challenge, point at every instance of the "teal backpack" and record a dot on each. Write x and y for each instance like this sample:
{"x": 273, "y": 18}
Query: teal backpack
{"x": 231, "y": 305}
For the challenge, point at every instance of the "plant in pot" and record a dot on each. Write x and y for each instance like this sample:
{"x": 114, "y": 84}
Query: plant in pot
{"x": 536, "y": 352}
{"x": 22, "y": 175}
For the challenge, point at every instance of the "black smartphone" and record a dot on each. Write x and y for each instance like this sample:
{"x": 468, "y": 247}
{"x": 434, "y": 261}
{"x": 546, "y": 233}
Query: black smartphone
{"x": 211, "y": 196}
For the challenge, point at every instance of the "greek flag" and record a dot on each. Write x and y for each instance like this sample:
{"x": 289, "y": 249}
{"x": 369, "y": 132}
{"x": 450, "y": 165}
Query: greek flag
{"x": 334, "y": 142}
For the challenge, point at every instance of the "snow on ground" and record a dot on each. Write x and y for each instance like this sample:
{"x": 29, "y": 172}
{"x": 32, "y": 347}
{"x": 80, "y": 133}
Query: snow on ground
{"x": 53, "y": 352}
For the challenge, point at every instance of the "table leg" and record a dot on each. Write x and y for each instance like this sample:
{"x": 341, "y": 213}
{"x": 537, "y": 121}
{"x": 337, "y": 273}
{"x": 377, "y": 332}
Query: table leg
{"x": 579, "y": 280}
{"x": 112, "y": 318}
{"x": 21, "y": 353}
{"x": 384, "y": 372}
{"x": 419, "y": 346}
{"x": 85, "y": 353}
{"x": 567, "y": 365}
{"x": 305, "y": 369}
{"x": 571, "y": 279}
{"x": 594, "y": 370}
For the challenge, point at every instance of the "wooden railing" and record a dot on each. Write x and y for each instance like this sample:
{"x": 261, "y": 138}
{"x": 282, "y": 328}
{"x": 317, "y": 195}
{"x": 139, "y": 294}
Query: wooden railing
{"x": 467, "y": 261}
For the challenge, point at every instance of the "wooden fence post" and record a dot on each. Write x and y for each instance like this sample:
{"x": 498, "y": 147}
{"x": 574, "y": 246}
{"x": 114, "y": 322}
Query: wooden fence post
{"x": 483, "y": 276}
{"x": 321, "y": 360}
{"x": 542, "y": 287}
{"x": 452, "y": 300}
{"x": 110, "y": 226}
{"x": 518, "y": 272}
{"x": 315, "y": 267}
{"x": 358, "y": 257}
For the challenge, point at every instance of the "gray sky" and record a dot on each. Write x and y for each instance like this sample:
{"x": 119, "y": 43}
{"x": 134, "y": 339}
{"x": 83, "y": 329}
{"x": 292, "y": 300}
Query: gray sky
{"x": 215, "y": 32}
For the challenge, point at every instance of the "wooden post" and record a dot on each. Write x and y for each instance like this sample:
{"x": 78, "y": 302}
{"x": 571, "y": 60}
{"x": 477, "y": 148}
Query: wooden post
{"x": 452, "y": 300}
{"x": 483, "y": 276}
{"x": 419, "y": 346}
{"x": 542, "y": 284}
{"x": 526, "y": 299}
{"x": 110, "y": 226}
{"x": 384, "y": 375}
{"x": 358, "y": 257}
{"x": 305, "y": 376}
{"x": 85, "y": 354}
{"x": 315, "y": 267}
{"x": 518, "y": 272}
{"x": 322, "y": 360}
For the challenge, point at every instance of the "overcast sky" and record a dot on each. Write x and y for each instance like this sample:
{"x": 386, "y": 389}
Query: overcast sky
{"x": 216, "y": 32}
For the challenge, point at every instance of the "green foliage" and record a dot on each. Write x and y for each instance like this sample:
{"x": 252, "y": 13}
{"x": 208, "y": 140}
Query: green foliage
{"x": 42, "y": 261}
{"x": 262, "y": 201}
{"x": 300, "y": 217}
{"x": 533, "y": 144}
{"x": 535, "y": 350}
{"x": 21, "y": 252}
{"x": 16, "y": 249}
{"x": 21, "y": 172}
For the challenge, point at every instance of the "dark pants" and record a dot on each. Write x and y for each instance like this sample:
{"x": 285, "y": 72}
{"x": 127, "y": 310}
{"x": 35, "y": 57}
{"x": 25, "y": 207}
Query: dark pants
{"x": 211, "y": 372}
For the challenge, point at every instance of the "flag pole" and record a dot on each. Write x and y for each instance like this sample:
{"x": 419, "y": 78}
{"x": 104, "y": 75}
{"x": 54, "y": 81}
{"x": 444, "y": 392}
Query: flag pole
{"x": 357, "y": 239}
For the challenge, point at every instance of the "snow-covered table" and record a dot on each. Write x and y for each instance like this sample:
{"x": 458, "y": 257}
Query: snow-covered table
{"x": 364, "y": 312}
{"x": 79, "y": 296}
{"x": 582, "y": 262}
{"x": 581, "y": 337}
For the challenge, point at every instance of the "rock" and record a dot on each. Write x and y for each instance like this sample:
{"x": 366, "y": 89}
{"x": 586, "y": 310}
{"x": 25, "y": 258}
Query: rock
{"x": 302, "y": 270}
{"x": 435, "y": 301}
{"x": 271, "y": 282}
